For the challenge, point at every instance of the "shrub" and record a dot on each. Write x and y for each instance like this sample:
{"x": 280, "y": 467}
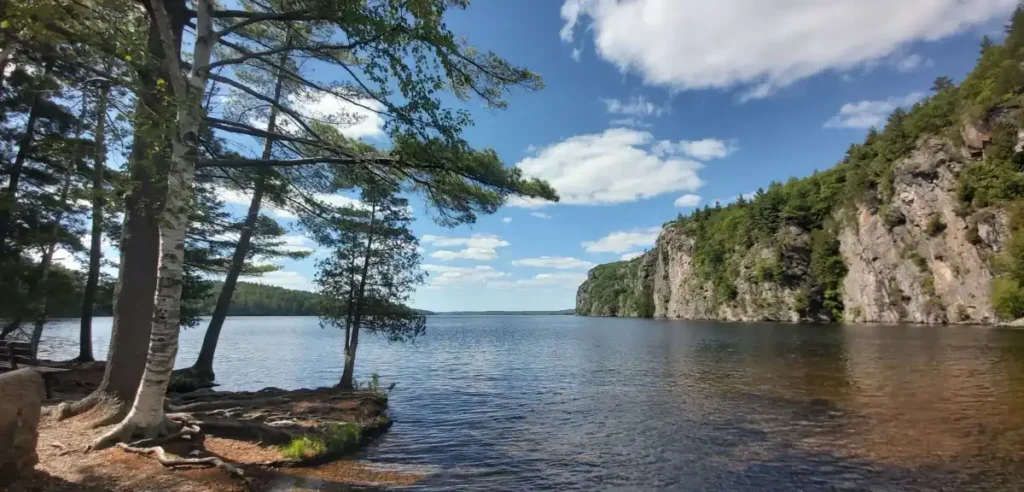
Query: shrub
{"x": 1008, "y": 298}
{"x": 935, "y": 226}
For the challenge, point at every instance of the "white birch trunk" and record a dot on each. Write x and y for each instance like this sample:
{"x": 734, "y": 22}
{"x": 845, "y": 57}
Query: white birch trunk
{"x": 147, "y": 417}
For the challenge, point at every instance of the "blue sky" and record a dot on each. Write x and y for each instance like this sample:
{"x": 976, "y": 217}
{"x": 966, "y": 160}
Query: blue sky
{"x": 650, "y": 100}
{"x": 650, "y": 104}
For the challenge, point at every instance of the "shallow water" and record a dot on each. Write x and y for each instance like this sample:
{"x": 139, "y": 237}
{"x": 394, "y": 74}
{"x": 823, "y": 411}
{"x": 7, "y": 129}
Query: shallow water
{"x": 562, "y": 402}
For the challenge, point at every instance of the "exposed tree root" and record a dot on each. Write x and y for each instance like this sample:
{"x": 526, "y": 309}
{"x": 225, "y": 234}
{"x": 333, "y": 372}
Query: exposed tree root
{"x": 187, "y": 431}
{"x": 115, "y": 410}
{"x": 127, "y": 429}
{"x": 223, "y": 404}
{"x": 247, "y": 430}
{"x": 161, "y": 456}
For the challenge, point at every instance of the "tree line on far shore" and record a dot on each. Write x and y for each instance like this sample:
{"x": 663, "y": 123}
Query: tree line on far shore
{"x": 248, "y": 299}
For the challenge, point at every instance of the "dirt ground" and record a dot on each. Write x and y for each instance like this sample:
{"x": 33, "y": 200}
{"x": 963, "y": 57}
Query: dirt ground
{"x": 64, "y": 463}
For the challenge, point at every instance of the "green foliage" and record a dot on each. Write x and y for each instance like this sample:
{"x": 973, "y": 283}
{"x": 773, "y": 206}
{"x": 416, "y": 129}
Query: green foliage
{"x": 828, "y": 269}
{"x": 767, "y": 270}
{"x": 330, "y": 439}
{"x": 919, "y": 261}
{"x": 935, "y": 226}
{"x": 253, "y": 299}
{"x": 1008, "y": 298}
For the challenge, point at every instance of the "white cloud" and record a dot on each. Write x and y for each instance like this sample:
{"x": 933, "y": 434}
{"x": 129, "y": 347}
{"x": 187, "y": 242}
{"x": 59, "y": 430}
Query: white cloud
{"x": 577, "y": 53}
{"x": 705, "y": 149}
{"x": 638, "y": 106}
{"x": 357, "y": 119}
{"x": 507, "y": 220}
{"x": 556, "y": 262}
{"x": 294, "y": 243}
{"x": 476, "y": 247}
{"x": 449, "y": 275}
{"x": 339, "y": 200}
{"x": 686, "y": 201}
{"x": 540, "y": 215}
{"x": 617, "y": 166}
{"x": 622, "y": 241}
{"x": 630, "y": 256}
{"x": 760, "y": 45}
{"x": 912, "y": 62}
{"x": 556, "y": 279}
{"x": 866, "y": 114}
{"x": 283, "y": 278}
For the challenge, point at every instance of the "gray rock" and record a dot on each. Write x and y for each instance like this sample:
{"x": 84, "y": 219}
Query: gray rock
{"x": 933, "y": 267}
{"x": 21, "y": 397}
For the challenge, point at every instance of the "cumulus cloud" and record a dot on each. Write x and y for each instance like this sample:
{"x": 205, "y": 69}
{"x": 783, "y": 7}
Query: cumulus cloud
{"x": 540, "y": 215}
{"x": 760, "y": 46}
{"x": 617, "y": 166}
{"x": 866, "y": 114}
{"x": 705, "y": 149}
{"x": 630, "y": 256}
{"x": 507, "y": 220}
{"x": 450, "y": 275}
{"x": 556, "y": 262}
{"x": 481, "y": 247}
{"x": 359, "y": 118}
{"x": 638, "y": 106}
{"x": 577, "y": 53}
{"x": 688, "y": 200}
{"x": 623, "y": 241}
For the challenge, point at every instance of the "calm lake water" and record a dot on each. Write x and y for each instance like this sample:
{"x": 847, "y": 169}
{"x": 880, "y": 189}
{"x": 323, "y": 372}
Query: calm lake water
{"x": 561, "y": 402}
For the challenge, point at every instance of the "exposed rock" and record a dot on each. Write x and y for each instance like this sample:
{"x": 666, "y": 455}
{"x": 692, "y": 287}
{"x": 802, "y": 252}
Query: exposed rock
{"x": 976, "y": 136}
{"x": 21, "y": 397}
{"x": 921, "y": 262}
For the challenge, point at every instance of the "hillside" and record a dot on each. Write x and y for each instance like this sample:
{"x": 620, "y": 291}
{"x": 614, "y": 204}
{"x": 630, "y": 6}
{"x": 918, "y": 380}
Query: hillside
{"x": 923, "y": 222}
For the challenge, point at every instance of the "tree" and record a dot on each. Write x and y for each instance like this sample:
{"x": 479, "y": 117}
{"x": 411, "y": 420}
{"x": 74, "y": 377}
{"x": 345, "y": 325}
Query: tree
{"x": 372, "y": 270}
{"x": 406, "y": 58}
{"x": 942, "y": 84}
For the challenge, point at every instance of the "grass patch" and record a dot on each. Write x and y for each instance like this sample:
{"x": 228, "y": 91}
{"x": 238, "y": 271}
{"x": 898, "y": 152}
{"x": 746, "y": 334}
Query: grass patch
{"x": 330, "y": 439}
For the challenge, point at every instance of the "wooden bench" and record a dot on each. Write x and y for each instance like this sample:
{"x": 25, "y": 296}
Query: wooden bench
{"x": 15, "y": 355}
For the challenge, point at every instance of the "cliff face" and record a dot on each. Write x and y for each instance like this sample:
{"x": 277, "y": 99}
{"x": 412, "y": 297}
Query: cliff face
{"x": 913, "y": 259}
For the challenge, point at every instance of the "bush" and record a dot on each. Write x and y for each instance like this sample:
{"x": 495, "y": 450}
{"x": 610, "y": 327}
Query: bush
{"x": 767, "y": 270}
{"x": 1008, "y": 298}
{"x": 935, "y": 226}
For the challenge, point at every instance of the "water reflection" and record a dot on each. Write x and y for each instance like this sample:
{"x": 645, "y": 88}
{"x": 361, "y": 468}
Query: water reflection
{"x": 527, "y": 402}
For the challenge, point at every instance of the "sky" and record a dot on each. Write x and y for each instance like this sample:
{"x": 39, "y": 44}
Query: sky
{"x": 653, "y": 107}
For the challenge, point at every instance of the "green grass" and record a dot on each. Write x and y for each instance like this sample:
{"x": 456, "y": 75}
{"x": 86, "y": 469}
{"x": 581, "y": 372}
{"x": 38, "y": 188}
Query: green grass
{"x": 330, "y": 439}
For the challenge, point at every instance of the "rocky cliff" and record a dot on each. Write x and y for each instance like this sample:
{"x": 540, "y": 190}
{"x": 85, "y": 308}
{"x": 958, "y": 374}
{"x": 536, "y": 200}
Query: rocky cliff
{"x": 918, "y": 256}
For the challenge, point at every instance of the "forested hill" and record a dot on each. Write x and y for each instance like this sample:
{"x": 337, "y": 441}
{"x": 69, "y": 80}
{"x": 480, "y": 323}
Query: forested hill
{"x": 923, "y": 222}
{"x": 252, "y": 299}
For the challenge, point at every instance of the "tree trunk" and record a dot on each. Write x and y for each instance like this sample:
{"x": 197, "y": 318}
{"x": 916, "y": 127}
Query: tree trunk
{"x": 140, "y": 237}
{"x": 95, "y": 247}
{"x": 203, "y": 368}
{"x": 9, "y": 199}
{"x": 147, "y": 417}
{"x": 42, "y": 295}
{"x": 357, "y": 310}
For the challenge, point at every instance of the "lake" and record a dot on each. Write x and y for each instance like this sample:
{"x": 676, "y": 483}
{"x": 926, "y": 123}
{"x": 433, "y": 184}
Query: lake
{"x": 564, "y": 402}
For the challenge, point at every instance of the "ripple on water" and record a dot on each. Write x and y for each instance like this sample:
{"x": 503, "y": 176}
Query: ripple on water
{"x": 536, "y": 402}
